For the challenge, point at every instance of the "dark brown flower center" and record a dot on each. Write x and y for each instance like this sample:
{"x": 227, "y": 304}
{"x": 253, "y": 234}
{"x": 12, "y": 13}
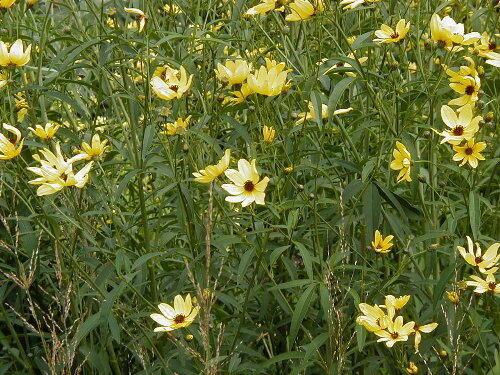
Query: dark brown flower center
{"x": 441, "y": 43}
{"x": 394, "y": 335}
{"x": 178, "y": 319}
{"x": 492, "y": 46}
{"x": 478, "y": 260}
{"x": 249, "y": 186}
{"x": 13, "y": 140}
{"x": 340, "y": 64}
{"x": 492, "y": 286}
{"x": 394, "y": 36}
{"x": 468, "y": 151}
{"x": 174, "y": 88}
{"x": 469, "y": 90}
{"x": 458, "y": 130}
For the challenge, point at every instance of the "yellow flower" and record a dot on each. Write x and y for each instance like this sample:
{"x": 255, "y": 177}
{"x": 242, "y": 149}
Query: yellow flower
{"x": 493, "y": 58}
{"x": 268, "y": 134}
{"x": 21, "y": 105}
{"x": 482, "y": 286}
{"x": 172, "y": 9}
{"x": 466, "y": 82}
{"x": 311, "y": 113}
{"x": 412, "y": 67}
{"x": 426, "y": 328}
{"x": 446, "y": 32}
{"x": 387, "y": 35}
{"x": 177, "y": 127}
{"x": 462, "y": 126}
{"x": 470, "y": 153}
{"x": 15, "y": 55}
{"x": 351, "y": 4}
{"x": 233, "y": 71}
{"x": 381, "y": 244}
{"x": 412, "y": 368}
{"x": 485, "y": 45}
{"x": 211, "y": 172}
{"x": 263, "y": 7}
{"x": 485, "y": 262}
{"x": 6, "y": 3}
{"x": 374, "y": 318}
{"x": 45, "y": 133}
{"x": 395, "y": 304}
{"x": 10, "y": 147}
{"x": 181, "y": 315}
{"x": 167, "y": 84}
{"x": 395, "y": 331}
{"x": 96, "y": 147}
{"x": 246, "y": 187}
{"x": 269, "y": 80}
{"x": 402, "y": 162}
{"x": 142, "y": 18}
{"x": 453, "y": 297}
{"x": 239, "y": 96}
{"x": 304, "y": 9}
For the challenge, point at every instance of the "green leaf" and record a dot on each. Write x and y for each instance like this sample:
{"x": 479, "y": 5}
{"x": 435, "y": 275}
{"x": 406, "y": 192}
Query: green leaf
{"x": 371, "y": 210}
{"x": 474, "y": 213}
{"x": 306, "y": 258}
{"x": 301, "y": 309}
{"x": 337, "y": 92}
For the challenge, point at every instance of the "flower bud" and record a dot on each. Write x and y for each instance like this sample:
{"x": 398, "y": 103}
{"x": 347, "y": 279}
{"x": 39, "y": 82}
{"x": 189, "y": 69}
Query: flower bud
{"x": 188, "y": 337}
{"x": 453, "y": 297}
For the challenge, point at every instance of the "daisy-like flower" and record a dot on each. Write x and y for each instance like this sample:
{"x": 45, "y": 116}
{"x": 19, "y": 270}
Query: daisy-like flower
{"x": 268, "y": 134}
{"x": 172, "y": 9}
{"x": 487, "y": 262}
{"x": 351, "y": 4}
{"x": 4, "y": 4}
{"x": 239, "y": 96}
{"x": 426, "y": 328}
{"x": 15, "y": 55}
{"x": 169, "y": 83}
{"x": 246, "y": 187}
{"x": 462, "y": 125}
{"x": 96, "y": 148}
{"x": 493, "y": 58}
{"x": 311, "y": 113}
{"x": 470, "y": 153}
{"x": 485, "y": 45}
{"x": 266, "y": 6}
{"x": 177, "y": 127}
{"x": 481, "y": 286}
{"x": 269, "y": 80}
{"x": 412, "y": 368}
{"x": 395, "y": 331}
{"x": 12, "y": 146}
{"x": 181, "y": 315}
{"x": 211, "y": 172}
{"x": 446, "y": 32}
{"x": 380, "y": 244}
{"x": 233, "y": 72}
{"x": 402, "y": 162}
{"x": 387, "y": 34}
{"x": 142, "y": 18}
{"x": 453, "y": 297}
{"x": 374, "y": 318}
{"x": 394, "y": 304}
{"x": 465, "y": 82}
{"x": 304, "y": 9}
{"x": 47, "y": 132}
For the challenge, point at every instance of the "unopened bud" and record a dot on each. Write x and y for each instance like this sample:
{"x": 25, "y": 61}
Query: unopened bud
{"x": 189, "y": 337}
{"x": 453, "y": 297}
{"x": 300, "y": 187}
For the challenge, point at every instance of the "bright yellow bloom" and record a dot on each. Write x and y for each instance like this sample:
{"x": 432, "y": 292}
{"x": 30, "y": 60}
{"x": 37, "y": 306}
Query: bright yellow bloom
{"x": 462, "y": 125}
{"x": 426, "y": 328}
{"x": 395, "y": 304}
{"x": 395, "y": 331}
{"x": 493, "y": 58}
{"x": 470, "y": 153}
{"x": 181, "y": 315}
{"x": 485, "y": 45}
{"x": 446, "y": 32}
{"x": 466, "y": 82}
{"x": 177, "y": 127}
{"x": 487, "y": 262}
{"x": 453, "y": 297}
{"x": 412, "y": 67}
{"x": 388, "y": 35}
{"x": 246, "y": 187}
{"x": 402, "y": 162}
{"x": 374, "y": 318}
{"x": 6, "y": 3}
{"x": 142, "y": 18}
{"x": 351, "y": 4}
{"x": 96, "y": 148}
{"x": 304, "y": 9}
{"x": 15, "y": 55}
{"x": 239, "y": 96}
{"x": 266, "y": 6}
{"x": 269, "y": 80}
{"x": 268, "y": 134}
{"x": 311, "y": 113}
{"x": 47, "y": 132}
{"x": 233, "y": 71}
{"x": 21, "y": 105}
{"x": 381, "y": 244}
{"x": 482, "y": 286}
{"x": 10, "y": 147}
{"x": 211, "y": 172}
{"x": 412, "y": 368}
{"x": 172, "y": 9}
{"x": 167, "y": 84}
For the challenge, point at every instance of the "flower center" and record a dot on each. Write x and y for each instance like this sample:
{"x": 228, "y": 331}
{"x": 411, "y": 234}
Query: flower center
{"x": 394, "y": 36}
{"x": 249, "y": 186}
{"x": 13, "y": 140}
{"x": 469, "y": 90}
{"x": 340, "y": 64}
{"x": 458, "y": 130}
{"x": 492, "y": 286}
{"x": 178, "y": 319}
{"x": 468, "y": 151}
{"x": 174, "y": 88}
{"x": 478, "y": 260}
{"x": 492, "y": 46}
{"x": 394, "y": 335}
{"x": 441, "y": 43}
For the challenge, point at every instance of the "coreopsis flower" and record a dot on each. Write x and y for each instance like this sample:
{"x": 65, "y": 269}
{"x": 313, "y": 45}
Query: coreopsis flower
{"x": 266, "y": 6}
{"x": 269, "y": 80}
{"x": 239, "y": 96}
{"x": 233, "y": 72}
{"x": 21, "y": 105}
{"x": 211, "y": 172}
{"x": 10, "y": 147}
{"x": 402, "y": 162}
{"x": 56, "y": 172}
{"x": 426, "y": 328}
{"x": 462, "y": 124}
{"x": 4, "y": 4}
{"x": 380, "y": 244}
{"x": 446, "y": 32}
{"x": 311, "y": 113}
{"x": 304, "y": 9}
{"x": 15, "y": 54}
{"x": 374, "y": 318}
{"x": 412, "y": 67}
{"x": 247, "y": 186}
{"x": 412, "y": 368}
{"x": 387, "y": 34}
{"x": 453, "y": 296}
{"x": 395, "y": 331}
{"x": 181, "y": 315}
{"x": 481, "y": 286}
{"x": 96, "y": 148}
{"x": 493, "y": 58}
{"x": 470, "y": 153}
{"x": 268, "y": 134}
{"x": 169, "y": 83}
{"x": 465, "y": 82}
{"x": 47, "y": 132}
{"x": 172, "y": 9}
{"x": 142, "y": 18}
{"x": 351, "y": 4}
{"x": 487, "y": 262}
{"x": 485, "y": 45}
{"x": 177, "y": 127}
{"x": 395, "y": 304}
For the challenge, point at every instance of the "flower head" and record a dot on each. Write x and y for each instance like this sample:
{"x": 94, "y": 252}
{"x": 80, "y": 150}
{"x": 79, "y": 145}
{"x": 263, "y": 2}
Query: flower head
{"x": 395, "y": 331}
{"x": 268, "y": 134}
{"x": 211, "y": 172}
{"x": 481, "y": 286}
{"x": 485, "y": 45}
{"x": 142, "y": 18}
{"x": 466, "y": 82}
{"x": 269, "y": 80}
{"x": 395, "y": 304}
{"x": 311, "y": 113}
{"x": 47, "y": 132}
{"x": 412, "y": 368}
{"x": 373, "y": 318}
{"x": 453, "y": 296}
{"x": 419, "y": 329}
{"x": 351, "y": 4}
{"x": 15, "y": 55}
{"x": 233, "y": 71}
{"x": 264, "y": 7}
{"x": 10, "y": 147}
{"x": 96, "y": 148}
{"x": 402, "y": 162}
{"x": 487, "y": 262}
{"x": 388, "y": 35}
{"x": 177, "y": 127}
{"x": 6, "y": 3}
{"x": 181, "y": 315}
{"x": 381, "y": 244}
{"x": 168, "y": 83}
{"x": 462, "y": 124}
{"x": 304, "y": 9}
{"x": 469, "y": 153}
{"x": 493, "y": 58}
{"x": 446, "y": 32}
